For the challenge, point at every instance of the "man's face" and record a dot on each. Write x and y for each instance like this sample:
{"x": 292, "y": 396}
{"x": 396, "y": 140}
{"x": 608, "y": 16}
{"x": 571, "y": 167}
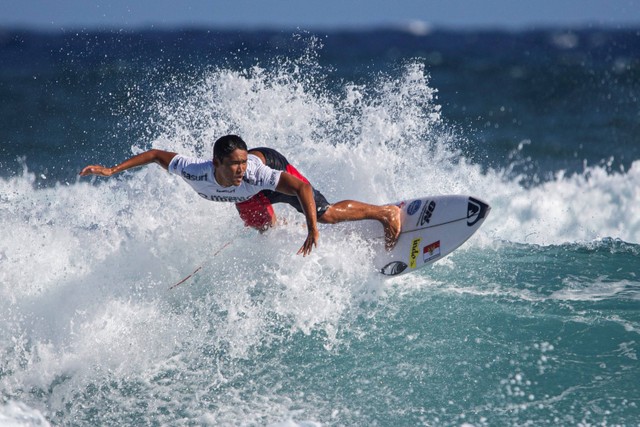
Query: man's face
{"x": 231, "y": 169}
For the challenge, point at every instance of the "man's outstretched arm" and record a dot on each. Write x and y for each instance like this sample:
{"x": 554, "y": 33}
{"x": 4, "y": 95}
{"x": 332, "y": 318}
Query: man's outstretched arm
{"x": 163, "y": 158}
{"x": 291, "y": 185}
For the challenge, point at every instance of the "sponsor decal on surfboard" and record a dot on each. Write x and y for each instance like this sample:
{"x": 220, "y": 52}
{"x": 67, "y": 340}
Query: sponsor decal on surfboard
{"x": 393, "y": 268}
{"x": 415, "y": 251}
{"x": 425, "y": 215}
{"x": 431, "y": 251}
{"x": 413, "y": 207}
{"x": 476, "y": 210}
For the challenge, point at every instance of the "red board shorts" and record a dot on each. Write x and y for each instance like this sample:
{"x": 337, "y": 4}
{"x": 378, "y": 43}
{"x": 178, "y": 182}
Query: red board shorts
{"x": 257, "y": 212}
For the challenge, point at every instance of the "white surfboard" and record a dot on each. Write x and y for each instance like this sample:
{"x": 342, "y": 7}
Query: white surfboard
{"x": 432, "y": 228}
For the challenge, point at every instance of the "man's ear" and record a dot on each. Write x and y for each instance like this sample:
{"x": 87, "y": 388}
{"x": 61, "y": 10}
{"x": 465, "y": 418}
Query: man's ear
{"x": 216, "y": 162}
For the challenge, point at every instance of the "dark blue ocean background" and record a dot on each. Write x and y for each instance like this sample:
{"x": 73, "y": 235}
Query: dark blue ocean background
{"x": 534, "y": 321}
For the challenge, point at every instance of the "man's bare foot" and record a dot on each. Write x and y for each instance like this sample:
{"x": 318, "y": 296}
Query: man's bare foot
{"x": 392, "y": 226}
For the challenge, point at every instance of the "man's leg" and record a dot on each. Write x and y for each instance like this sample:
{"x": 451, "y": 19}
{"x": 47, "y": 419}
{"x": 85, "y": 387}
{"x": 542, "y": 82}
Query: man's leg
{"x": 346, "y": 210}
{"x": 352, "y": 210}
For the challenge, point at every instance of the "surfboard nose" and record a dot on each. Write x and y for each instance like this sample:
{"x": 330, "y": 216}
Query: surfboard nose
{"x": 476, "y": 210}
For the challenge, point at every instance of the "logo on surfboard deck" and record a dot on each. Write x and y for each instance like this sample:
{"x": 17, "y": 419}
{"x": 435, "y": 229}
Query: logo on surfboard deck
{"x": 413, "y": 207}
{"x": 393, "y": 268}
{"x": 415, "y": 251}
{"x": 476, "y": 210}
{"x": 431, "y": 251}
{"x": 425, "y": 215}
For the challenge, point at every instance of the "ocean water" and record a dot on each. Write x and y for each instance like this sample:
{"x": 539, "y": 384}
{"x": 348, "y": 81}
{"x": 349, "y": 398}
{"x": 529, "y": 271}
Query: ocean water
{"x": 534, "y": 321}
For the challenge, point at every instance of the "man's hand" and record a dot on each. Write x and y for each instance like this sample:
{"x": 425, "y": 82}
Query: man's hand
{"x": 96, "y": 170}
{"x": 312, "y": 240}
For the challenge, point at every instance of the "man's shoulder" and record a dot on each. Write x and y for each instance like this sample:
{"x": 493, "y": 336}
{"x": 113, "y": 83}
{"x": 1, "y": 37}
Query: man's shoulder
{"x": 259, "y": 174}
{"x": 180, "y": 163}
{"x": 254, "y": 160}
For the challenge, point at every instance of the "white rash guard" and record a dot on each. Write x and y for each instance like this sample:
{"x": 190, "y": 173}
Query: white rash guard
{"x": 199, "y": 174}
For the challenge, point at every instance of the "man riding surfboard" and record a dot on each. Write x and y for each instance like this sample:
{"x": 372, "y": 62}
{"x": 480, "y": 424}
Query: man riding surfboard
{"x": 254, "y": 180}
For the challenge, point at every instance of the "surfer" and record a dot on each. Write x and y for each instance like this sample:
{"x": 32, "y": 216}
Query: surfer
{"x": 254, "y": 180}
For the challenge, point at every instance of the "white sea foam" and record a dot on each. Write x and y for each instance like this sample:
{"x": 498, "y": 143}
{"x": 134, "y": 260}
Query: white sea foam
{"x": 17, "y": 414}
{"x": 576, "y": 289}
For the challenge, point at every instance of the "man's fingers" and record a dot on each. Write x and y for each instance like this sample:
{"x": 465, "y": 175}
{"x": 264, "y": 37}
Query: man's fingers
{"x": 307, "y": 247}
{"x": 95, "y": 170}
{"x": 88, "y": 170}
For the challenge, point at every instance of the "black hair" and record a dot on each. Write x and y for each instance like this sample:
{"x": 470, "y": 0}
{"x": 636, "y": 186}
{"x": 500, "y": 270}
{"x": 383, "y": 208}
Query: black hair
{"x": 225, "y": 145}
